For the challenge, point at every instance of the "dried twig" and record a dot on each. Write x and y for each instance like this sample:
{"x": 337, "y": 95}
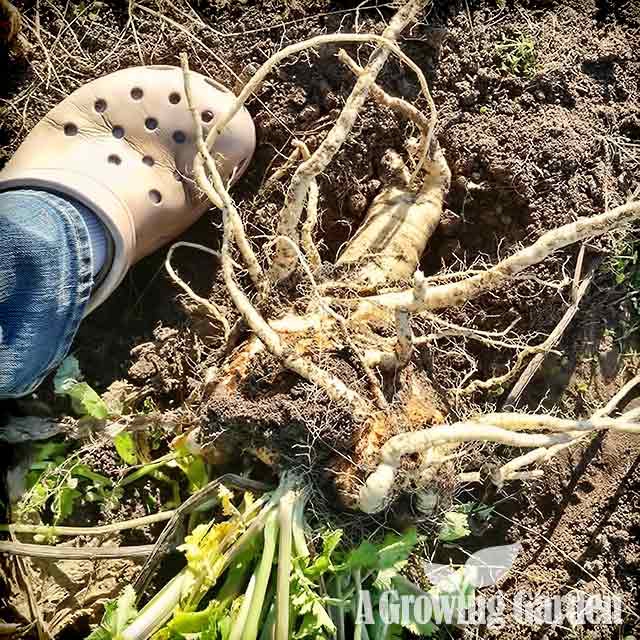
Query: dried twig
{"x": 62, "y": 552}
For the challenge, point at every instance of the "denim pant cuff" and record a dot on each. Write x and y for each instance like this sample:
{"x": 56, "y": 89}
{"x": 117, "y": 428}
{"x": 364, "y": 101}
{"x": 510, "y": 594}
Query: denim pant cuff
{"x": 45, "y": 284}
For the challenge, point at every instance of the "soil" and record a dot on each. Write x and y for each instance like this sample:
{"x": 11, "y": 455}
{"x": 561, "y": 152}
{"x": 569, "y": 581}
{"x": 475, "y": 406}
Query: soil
{"x": 528, "y": 150}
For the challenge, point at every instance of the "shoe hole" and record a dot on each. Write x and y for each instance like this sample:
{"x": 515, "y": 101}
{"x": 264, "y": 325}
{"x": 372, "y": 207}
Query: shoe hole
{"x": 100, "y": 105}
{"x": 70, "y": 129}
{"x": 207, "y": 116}
{"x": 118, "y": 132}
{"x": 155, "y": 196}
{"x": 174, "y": 97}
{"x": 151, "y": 124}
{"x": 179, "y": 136}
{"x": 148, "y": 160}
{"x": 137, "y": 93}
{"x": 114, "y": 159}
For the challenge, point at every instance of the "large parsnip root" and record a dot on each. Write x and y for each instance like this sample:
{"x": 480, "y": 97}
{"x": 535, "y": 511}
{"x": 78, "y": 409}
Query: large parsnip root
{"x": 390, "y": 242}
{"x": 284, "y": 260}
{"x": 499, "y": 428}
{"x": 453, "y": 294}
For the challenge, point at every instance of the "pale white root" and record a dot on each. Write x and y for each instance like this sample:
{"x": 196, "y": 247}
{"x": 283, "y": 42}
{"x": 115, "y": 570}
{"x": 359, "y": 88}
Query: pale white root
{"x": 620, "y": 395}
{"x": 542, "y": 454}
{"x": 505, "y": 472}
{"x": 309, "y": 225}
{"x": 401, "y": 107}
{"x": 404, "y": 345}
{"x": 385, "y": 359}
{"x": 454, "y": 294}
{"x": 281, "y": 171}
{"x": 476, "y": 476}
{"x": 393, "y": 236}
{"x": 531, "y": 422}
{"x": 498, "y": 381}
{"x": 215, "y": 189}
{"x": 320, "y": 159}
{"x": 212, "y": 308}
{"x": 333, "y": 387}
{"x": 378, "y": 487}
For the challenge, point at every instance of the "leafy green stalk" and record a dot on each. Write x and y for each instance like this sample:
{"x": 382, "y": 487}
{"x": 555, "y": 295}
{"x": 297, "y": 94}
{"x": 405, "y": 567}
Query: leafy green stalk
{"x": 285, "y": 514}
{"x": 357, "y": 579}
{"x": 339, "y": 611}
{"x": 299, "y": 540}
{"x": 157, "y": 611}
{"x": 118, "y": 615}
{"x": 187, "y": 622}
{"x": 269, "y": 623}
{"x": 241, "y": 620}
{"x": 210, "y": 550}
{"x": 262, "y": 577}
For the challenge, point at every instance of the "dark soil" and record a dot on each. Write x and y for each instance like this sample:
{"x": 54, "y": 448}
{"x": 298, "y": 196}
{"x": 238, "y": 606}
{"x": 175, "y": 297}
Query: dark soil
{"x": 529, "y": 150}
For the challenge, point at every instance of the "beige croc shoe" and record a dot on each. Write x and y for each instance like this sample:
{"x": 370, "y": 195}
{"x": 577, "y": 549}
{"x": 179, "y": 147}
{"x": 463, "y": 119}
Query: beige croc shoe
{"x": 124, "y": 146}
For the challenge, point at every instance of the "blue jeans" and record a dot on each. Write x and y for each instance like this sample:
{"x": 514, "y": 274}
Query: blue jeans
{"x": 45, "y": 284}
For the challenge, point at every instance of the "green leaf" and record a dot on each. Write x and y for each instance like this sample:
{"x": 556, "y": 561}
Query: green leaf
{"x": 324, "y": 562}
{"x": 483, "y": 511}
{"x": 315, "y": 623}
{"x": 364, "y": 556}
{"x": 306, "y": 600}
{"x": 396, "y": 549}
{"x": 64, "y": 503}
{"x": 126, "y": 447}
{"x": 391, "y": 553}
{"x": 86, "y": 402}
{"x": 84, "y": 471}
{"x": 195, "y": 469}
{"x": 118, "y": 615}
{"x": 454, "y": 527}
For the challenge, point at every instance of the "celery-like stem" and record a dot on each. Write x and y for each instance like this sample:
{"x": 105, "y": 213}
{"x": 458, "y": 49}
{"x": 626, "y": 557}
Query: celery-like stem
{"x": 157, "y": 611}
{"x": 146, "y": 469}
{"x": 262, "y": 577}
{"x": 239, "y": 623}
{"x": 357, "y": 634}
{"x": 285, "y": 513}
{"x": 235, "y": 580}
{"x": 339, "y": 611}
{"x": 299, "y": 541}
{"x": 268, "y": 626}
